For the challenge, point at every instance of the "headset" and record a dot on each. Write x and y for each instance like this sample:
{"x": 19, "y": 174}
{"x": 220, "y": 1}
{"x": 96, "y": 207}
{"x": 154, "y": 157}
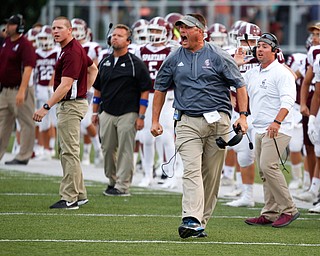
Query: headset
{"x": 221, "y": 143}
{"x": 268, "y": 38}
{"x": 20, "y": 27}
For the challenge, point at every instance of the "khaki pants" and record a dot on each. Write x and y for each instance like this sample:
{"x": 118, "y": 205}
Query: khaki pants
{"x": 276, "y": 193}
{"x": 69, "y": 115}
{"x": 117, "y": 135}
{"x": 8, "y": 113}
{"x": 202, "y": 162}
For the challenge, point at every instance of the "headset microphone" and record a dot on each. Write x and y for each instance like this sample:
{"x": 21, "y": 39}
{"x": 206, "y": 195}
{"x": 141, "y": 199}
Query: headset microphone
{"x": 108, "y": 38}
{"x": 246, "y": 40}
{"x": 110, "y": 27}
{"x": 250, "y": 142}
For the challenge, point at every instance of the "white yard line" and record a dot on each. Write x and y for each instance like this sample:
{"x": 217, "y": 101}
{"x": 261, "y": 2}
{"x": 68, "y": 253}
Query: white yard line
{"x": 150, "y": 242}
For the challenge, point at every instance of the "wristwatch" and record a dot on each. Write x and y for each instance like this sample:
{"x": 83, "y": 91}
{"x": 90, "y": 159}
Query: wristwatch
{"x": 141, "y": 116}
{"x": 244, "y": 113}
{"x": 46, "y": 106}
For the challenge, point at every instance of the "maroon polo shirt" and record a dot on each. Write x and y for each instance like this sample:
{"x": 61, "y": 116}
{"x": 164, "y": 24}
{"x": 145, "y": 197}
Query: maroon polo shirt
{"x": 73, "y": 62}
{"x": 14, "y": 56}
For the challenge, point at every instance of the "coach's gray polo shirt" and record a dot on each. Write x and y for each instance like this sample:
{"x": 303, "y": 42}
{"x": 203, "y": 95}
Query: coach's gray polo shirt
{"x": 201, "y": 80}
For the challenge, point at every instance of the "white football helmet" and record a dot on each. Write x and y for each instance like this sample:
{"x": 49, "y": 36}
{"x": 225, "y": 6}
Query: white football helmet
{"x": 140, "y": 31}
{"x": 79, "y": 29}
{"x": 217, "y": 34}
{"x": 44, "y": 39}
{"x": 163, "y": 28}
{"x": 248, "y": 32}
{"x": 232, "y": 34}
{"x": 31, "y": 36}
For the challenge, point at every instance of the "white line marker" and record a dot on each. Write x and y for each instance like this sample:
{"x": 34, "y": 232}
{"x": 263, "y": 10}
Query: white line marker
{"x": 151, "y": 242}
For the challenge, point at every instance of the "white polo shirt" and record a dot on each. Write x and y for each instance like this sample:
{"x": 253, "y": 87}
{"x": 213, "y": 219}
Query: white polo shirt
{"x": 269, "y": 90}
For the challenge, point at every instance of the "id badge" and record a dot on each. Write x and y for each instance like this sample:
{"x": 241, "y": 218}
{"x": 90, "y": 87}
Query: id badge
{"x": 212, "y": 117}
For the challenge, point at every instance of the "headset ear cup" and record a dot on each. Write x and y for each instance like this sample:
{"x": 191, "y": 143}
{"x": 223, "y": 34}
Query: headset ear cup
{"x": 221, "y": 143}
{"x": 236, "y": 139}
{"x": 20, "y": 27}
{"x": 254, "y": 51}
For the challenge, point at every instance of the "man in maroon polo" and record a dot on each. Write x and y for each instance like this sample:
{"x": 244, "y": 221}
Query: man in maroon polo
{"x": 18, "y": 58}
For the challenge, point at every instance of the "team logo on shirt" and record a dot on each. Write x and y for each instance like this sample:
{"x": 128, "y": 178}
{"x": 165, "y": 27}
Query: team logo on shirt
{"x": 15, "y": 48}
{"x": 107, "y": 63}
{"x": 263, "y": 84}
{"x": 181, "y": 64}
{"x": 206, "y": 64}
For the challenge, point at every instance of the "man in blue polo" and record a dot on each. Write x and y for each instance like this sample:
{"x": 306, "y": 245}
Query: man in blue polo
{"x": 201, "y": 75}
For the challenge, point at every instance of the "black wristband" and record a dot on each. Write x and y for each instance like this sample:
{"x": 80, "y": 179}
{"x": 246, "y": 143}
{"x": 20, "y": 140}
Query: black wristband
{"x": 141, "y": 116}
{"x": 276, "y": 121}
{"x": 244, "y": 113}
{"x": 46, "y": 106}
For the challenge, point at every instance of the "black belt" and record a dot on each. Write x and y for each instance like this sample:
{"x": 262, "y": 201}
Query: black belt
{"x": 78, "y": 98}
{"x": 13, "y": 87}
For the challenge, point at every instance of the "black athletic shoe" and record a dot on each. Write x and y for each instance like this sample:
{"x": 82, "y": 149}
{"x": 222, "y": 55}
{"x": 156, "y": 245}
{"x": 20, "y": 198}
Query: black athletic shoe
{"x": 116, "y": 192}
{"x": 17, "y": 162}
{"x": 82, "y": 202}
{"x": 107, "y": 189}
{"x": 63, "y": 204}
{"x": 190, "y": 227}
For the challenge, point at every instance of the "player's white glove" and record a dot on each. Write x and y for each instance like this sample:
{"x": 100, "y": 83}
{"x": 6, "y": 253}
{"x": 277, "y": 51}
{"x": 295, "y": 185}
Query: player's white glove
{"x": 280, "y": 56}
{"x": 313, "y": 132}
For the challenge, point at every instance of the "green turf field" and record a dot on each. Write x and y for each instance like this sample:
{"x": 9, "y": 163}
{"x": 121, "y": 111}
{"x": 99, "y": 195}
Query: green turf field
{"x": 144, "y": 224}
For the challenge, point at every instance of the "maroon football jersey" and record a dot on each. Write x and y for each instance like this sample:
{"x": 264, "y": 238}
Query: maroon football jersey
{"x": 45, "y": 64}
{"x": 73, "y": 62}
{"x": 153, "y": 57}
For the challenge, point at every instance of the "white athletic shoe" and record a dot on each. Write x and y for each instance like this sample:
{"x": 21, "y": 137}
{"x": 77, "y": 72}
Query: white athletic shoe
{"x": 295, "y": 184}
{"x": 234, "y": 193}
{"x": 45, "y": 156}
{"x": 170, "y": 183}
{"x": 307, "y": 196}
{"x": 241, "y": 202}
{"x": 306, "y": 185}
{"x": 145, "y": 182}
{"x": 315, "y": 209}
{"x": 85, "y": 159}
{"x": 225, "y": 181}
{"x": 98, "y": 159}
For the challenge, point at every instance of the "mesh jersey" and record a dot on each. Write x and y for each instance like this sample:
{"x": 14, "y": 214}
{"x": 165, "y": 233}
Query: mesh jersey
{"x": 92, "y": 49}
{"x": 295, "y": 62}
{"x": 46, "y": 61}
{"x": 153, "y": 57}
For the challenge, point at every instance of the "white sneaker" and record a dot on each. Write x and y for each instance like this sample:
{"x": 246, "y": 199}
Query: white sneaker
{"x": 98, "y": 159}
{"x": 145, "y": 182}
{"x": 85, "y": 159}
{"x": 307, "y": 196}
{"x": 295, "y": 184}
{"x": 225, "y": 181}
{"x": 234, "y": 193}
{"x": 45, "y": 156}
{"x": 315, "y": 209}
{"x": 306, "y": 185}
{"x": 170, "y": 183}
{"x": 53, "y": 152}
{"x": 241, "y": 202}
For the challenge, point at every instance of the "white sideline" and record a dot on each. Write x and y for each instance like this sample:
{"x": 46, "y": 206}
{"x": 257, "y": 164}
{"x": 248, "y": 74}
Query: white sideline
{"x": 90, "y": 172}
{"x": 153, "y": 242}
